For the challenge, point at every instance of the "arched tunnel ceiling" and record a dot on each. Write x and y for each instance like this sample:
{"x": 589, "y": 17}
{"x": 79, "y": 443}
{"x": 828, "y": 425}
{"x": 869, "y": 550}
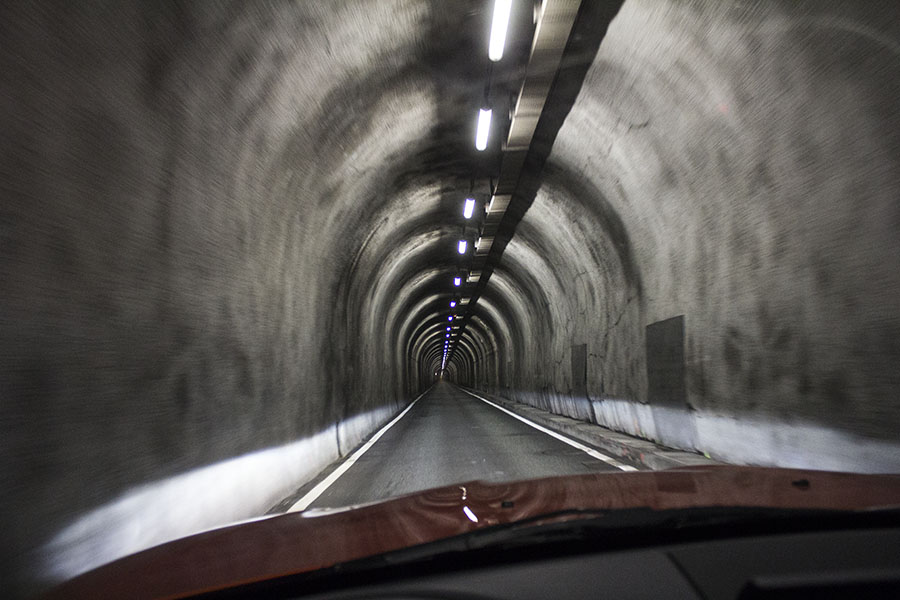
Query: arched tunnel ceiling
{"x": 230, "y": 227}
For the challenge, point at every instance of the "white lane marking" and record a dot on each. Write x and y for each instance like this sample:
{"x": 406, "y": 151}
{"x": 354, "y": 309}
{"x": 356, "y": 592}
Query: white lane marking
{"x": 323, "y": 485}
{"x": 589, "y": 451}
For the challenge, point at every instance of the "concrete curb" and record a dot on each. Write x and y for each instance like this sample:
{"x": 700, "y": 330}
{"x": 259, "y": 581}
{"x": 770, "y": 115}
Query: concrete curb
{"x": 639, "y": 453}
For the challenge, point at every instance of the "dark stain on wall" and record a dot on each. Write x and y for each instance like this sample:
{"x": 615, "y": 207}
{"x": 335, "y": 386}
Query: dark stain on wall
{"x": 609, "y": 223}
{"x": 732, "y": 351}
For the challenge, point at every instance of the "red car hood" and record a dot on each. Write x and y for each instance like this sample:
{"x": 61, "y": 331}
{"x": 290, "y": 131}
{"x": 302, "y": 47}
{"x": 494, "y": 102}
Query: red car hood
{"x": 301, "y": 542}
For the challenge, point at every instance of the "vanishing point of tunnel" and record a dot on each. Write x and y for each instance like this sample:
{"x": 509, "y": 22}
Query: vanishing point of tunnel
{"x": 231, "y": 233}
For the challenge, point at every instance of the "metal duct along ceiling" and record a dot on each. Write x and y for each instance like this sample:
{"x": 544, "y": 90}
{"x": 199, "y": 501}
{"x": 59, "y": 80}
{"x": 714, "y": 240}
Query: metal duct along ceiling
{"x": 567, "y": 35}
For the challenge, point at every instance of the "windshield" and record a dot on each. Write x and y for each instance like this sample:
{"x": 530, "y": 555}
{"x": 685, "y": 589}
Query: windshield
{"x": 262, "y": 258}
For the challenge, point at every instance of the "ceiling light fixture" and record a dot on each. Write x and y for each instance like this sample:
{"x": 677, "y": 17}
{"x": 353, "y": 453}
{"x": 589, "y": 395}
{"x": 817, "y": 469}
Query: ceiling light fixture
{"x": 484, "y": 126}
{"x": 499, "y": 25}
{"x": 469, "y": 208}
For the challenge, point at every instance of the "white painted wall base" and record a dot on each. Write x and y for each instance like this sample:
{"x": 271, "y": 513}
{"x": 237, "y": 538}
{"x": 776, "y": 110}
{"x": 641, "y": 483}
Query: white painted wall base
{"x": 759, "y": 442}
{"x": 202, "y": 499}
{"x": 743, "y": 441}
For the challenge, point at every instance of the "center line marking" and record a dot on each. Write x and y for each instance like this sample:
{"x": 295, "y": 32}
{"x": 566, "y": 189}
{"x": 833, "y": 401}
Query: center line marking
{"x": 587, "y": 450}
{"x": 313, "y": 494}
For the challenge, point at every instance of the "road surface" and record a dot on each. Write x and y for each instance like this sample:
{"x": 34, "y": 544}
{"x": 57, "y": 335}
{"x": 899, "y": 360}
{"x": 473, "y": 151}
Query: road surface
{"x": 450, "y": 437}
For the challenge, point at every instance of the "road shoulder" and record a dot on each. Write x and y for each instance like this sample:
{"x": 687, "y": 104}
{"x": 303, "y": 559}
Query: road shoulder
{"x": 643, "y": 454}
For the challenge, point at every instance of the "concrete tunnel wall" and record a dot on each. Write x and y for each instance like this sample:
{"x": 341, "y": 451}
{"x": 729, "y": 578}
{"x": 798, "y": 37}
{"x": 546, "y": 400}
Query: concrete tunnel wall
{"x": 205, "y": 211}
{"x": 228, "y": 232}
{"x": 737, "y": 167}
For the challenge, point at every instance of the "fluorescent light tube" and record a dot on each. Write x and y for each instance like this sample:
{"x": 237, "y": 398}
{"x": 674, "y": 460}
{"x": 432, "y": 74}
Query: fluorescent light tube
{"x": 484, "y": 127}
{"x": 499, "y": 25}
{"x": 469, "y": 208}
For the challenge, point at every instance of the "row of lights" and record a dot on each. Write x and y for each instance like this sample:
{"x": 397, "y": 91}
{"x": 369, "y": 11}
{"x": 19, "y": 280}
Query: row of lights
{"x": 499, "y": 26}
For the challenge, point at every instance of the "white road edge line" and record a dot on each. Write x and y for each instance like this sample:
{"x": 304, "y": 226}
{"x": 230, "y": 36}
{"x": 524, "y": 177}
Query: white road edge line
{"x": 311, "y": 496}
{"x": 589, "y": 451}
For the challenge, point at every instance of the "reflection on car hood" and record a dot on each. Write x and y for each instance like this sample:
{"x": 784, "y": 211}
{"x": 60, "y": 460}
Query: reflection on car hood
{"x": 296, "y": 543}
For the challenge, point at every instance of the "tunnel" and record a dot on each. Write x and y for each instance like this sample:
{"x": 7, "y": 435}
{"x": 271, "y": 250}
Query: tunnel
{"x": 230, "y": 233}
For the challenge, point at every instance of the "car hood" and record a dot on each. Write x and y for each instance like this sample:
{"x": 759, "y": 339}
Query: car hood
{"x": 302, "y": 542}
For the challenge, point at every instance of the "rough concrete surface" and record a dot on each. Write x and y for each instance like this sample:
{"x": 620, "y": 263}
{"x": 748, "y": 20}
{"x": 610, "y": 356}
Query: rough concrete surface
{"x": 227, "y": 232}
{"x": 736, "y": 166}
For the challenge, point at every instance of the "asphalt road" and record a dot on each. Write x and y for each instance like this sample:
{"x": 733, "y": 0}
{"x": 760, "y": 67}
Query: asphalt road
{"x": 450, "y": 437}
